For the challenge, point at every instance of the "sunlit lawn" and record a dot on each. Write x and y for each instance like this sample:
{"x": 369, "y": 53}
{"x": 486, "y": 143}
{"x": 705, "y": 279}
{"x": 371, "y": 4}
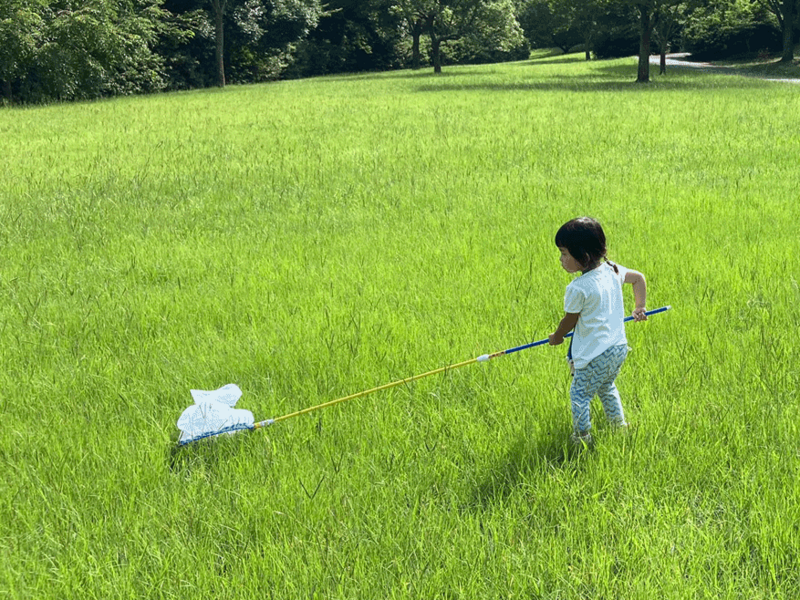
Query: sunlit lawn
{"x": 311, "y": 239}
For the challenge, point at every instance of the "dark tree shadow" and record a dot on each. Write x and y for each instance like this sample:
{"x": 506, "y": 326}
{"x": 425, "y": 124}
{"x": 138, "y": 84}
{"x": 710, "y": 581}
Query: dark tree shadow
{"x": 610, "y": 77}
{"x": 423, "y": 73}
{"x": 561, "y": 59}
{"x": 591, "y": 85}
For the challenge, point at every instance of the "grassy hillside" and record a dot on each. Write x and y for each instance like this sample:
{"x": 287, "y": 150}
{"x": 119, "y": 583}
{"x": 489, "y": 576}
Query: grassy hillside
{"x": 311, "y": 239}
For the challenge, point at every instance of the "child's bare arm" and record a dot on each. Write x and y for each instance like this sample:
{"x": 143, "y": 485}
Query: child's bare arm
{"x": 639, "y": 284}
{"x": 566, "y": 325}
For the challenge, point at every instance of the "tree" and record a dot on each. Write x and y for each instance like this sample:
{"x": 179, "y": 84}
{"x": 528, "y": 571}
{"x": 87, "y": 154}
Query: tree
{"x": 260, "y": 25}
{"x": 20, "y": 26}
{"x": 218, "y": 7}
{"x": 496, "y": 35}
{"x": 727, "y": 27}
{"x": 478, "y": 22}
{"x": 263, "y": 36}
{"x": 786, "y": 12}
{"x": 354, "y": 35}
{"x": 443, "y": 20}
{"x": 647, "y": 12}
{"x": 446, "y": 21}
{"x": 414, "y": 24}
{"x": 646, "y": 21}
{"x": 580, "y": 16}
{"x": 544, "y": 27}
{"x": 668, "y": 20}
{"x": 618, "y": 31}
{"x": 72, "y": 49}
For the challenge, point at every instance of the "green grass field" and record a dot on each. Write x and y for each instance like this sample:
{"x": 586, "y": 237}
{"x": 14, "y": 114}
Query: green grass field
{"x": 311, "y": 239}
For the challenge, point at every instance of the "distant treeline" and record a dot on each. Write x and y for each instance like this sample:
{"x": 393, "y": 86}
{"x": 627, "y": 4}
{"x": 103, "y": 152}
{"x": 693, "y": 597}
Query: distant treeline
{"x": 60, "y": 50}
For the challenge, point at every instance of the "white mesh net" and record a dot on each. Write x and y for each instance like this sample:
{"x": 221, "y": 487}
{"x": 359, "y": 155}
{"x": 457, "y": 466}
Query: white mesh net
{"x": 213, "y": 414}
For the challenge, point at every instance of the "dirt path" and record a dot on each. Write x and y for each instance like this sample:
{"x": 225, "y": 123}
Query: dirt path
{"x": 679, "y": 61}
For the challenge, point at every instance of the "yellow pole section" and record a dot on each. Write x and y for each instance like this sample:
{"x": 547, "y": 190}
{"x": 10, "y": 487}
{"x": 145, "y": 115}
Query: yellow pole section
{"x": 377, "y": 389}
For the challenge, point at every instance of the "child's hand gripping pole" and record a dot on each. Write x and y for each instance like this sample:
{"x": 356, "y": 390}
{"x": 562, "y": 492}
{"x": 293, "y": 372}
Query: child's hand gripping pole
{"x": 485, "y": 357}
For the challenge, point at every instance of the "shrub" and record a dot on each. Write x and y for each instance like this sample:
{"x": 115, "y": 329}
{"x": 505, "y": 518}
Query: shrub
{"x": 731, "y": 28}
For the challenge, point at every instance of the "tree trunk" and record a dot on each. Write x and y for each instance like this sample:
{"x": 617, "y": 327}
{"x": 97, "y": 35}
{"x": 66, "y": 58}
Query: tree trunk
{"x": 219, "y": 13}
{"x": 789, "y": 8}
{"x": 646, "y": 28}
{"x": 7, "y": 89}
{"x": 588, "y": 42}
{"x": 663, "y": 61}
{"x": 415, "y": 35}
{"x": 436, "y": 50}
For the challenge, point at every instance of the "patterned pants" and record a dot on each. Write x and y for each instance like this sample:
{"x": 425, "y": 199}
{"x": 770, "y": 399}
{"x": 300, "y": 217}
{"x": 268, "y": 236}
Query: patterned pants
{"x": 598, "y": 378}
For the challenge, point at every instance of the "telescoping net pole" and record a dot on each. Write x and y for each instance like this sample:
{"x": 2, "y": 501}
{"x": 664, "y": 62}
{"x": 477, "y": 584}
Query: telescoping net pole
{"x": 208, "y": 417}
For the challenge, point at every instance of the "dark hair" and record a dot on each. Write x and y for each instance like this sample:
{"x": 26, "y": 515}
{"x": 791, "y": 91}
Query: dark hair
{"x": 585, "y": 240}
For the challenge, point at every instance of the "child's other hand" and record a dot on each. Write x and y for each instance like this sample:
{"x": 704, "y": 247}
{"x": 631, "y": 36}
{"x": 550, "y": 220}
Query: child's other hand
{"x": 639, "y": 314}
{"x": 555, "y": 340}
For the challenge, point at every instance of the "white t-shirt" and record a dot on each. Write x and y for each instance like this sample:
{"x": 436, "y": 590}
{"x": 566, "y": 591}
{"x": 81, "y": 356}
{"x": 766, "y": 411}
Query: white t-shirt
{"x": 597, "y": 296}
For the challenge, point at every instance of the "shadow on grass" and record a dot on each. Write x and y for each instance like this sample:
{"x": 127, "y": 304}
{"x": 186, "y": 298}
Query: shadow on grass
{"x": 590, "y": 85}
{"x": 423, "y": 73}
{"x": 528, "y": 459}
{"x": 556, "y": 60}
{"x": 603, "y": 78}
{"x": 205, "y": 454}
{"x": 611, "y": 77}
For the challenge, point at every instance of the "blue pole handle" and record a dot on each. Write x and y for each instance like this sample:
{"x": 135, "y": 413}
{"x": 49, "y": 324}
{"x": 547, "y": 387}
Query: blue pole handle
{"x": 649, "y": 313}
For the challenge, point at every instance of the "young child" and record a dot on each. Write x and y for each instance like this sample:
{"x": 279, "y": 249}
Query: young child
{"x": 594, "y": 308}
